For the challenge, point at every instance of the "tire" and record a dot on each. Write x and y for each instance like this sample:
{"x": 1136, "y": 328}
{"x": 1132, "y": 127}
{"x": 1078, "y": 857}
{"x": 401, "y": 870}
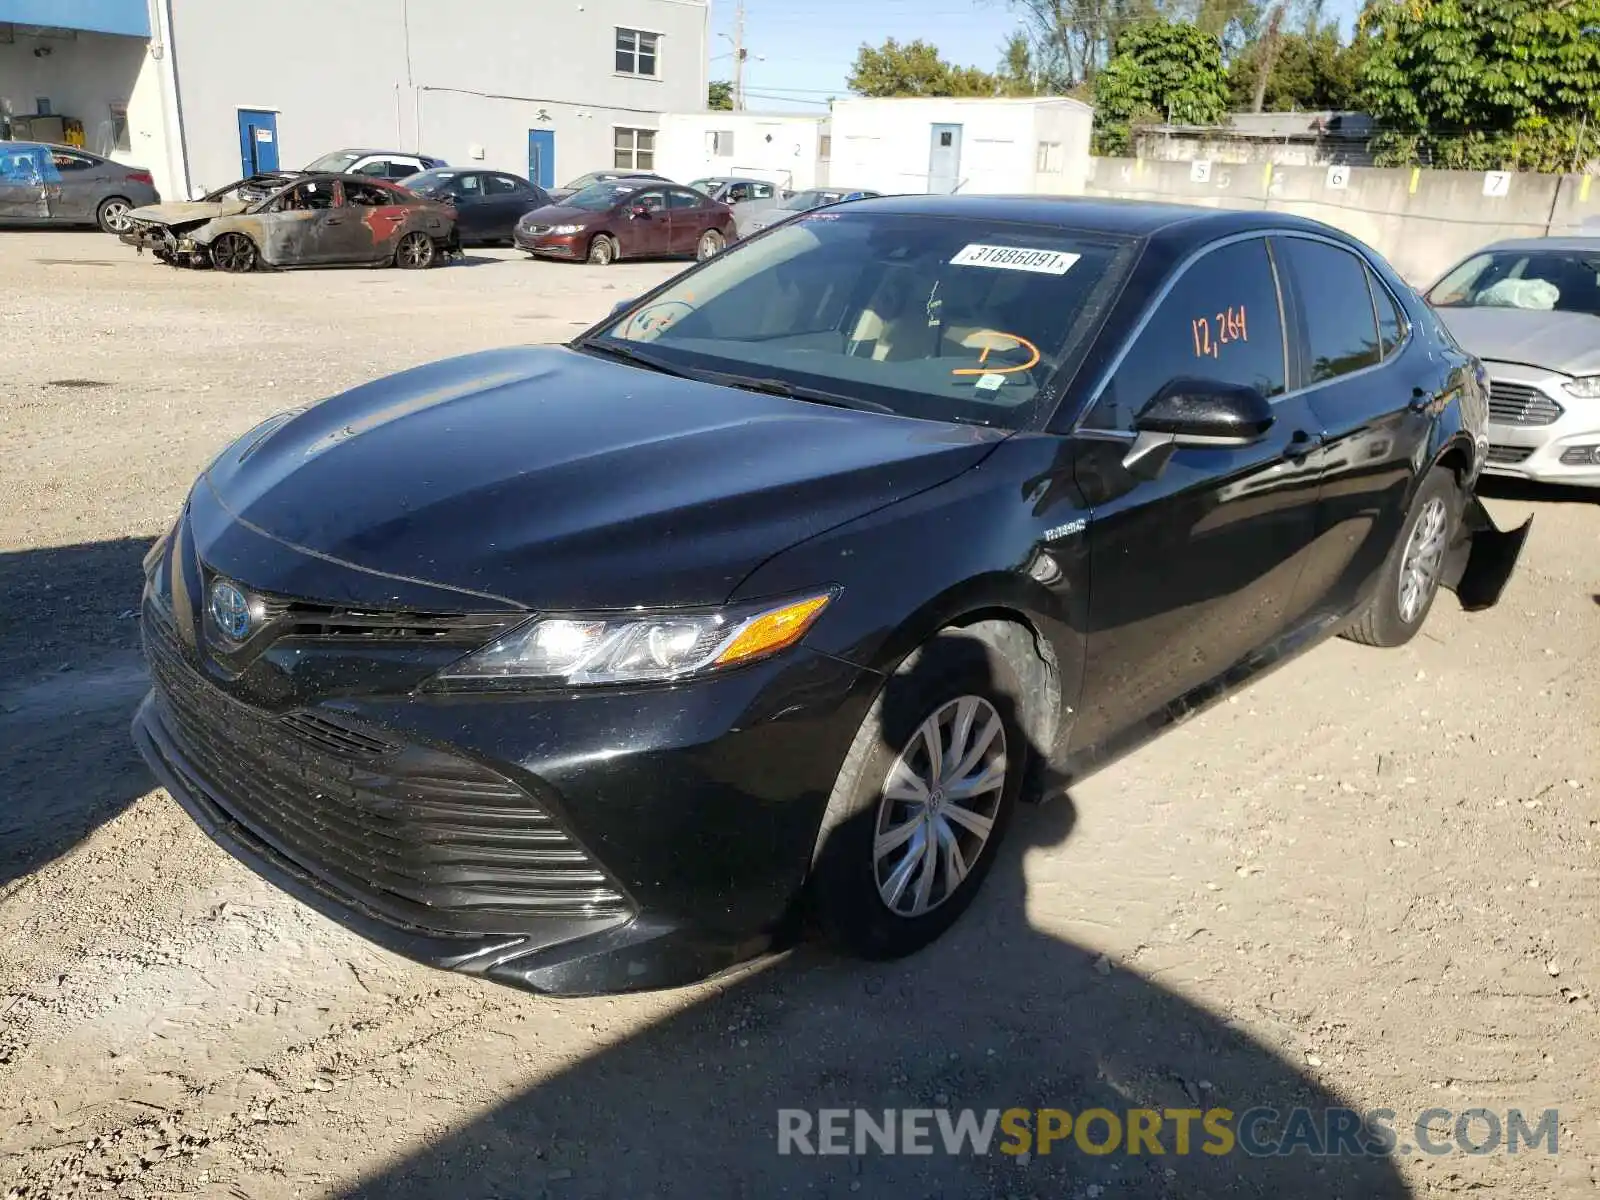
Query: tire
{"x": 602, "y": 250}
{"x": 851, "y": 886}
{"x": 112, "y": 215}
{"x": 416, "y": 252}
{"x": 233, "y": 253}
{"x": 1400, "y": 605}
{"x": 711, "y": 244}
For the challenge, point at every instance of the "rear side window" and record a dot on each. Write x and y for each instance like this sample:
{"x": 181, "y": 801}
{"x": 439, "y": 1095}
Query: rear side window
{"x": 683, "y": 199}
{"x": 1336, "y": 305}
{"x": 501, "y": 185}
{"x": 1220, "y": 321}
{"x": 1392, "y": 324}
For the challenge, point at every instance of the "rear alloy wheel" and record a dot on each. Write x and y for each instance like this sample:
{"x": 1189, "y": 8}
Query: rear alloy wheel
{"x": 1412, "y": 575}
{"x": 415, "y": 252}
{"x": 112, "y": 215}
{"x": 922, "y": 800}
{"x": 233, "y": 253}
{"x": 710, "y": 246}
{"x": 602, "y": 251}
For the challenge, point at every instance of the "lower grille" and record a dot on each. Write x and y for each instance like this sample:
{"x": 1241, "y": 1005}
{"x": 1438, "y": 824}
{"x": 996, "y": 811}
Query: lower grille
{"x": 1505, "y": 455}
{"x": 1519, "y": 404}
{"x": 425, "y": 839}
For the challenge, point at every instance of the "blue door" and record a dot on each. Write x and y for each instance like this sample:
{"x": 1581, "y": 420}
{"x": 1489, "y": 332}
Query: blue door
{"x": 542, "y": 157}
{"x": 258, "y": 141}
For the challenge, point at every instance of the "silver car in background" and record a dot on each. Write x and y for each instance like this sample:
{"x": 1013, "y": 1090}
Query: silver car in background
{"x": 42, "y": 184}
{"x": 1530, "y": 310}
{"x": 803, "y": 202}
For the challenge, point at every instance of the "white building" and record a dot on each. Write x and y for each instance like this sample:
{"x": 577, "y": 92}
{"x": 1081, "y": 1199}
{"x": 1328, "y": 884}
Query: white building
{"x": 948, "y": 145}
{"x": 203, "y": 91}
{"x": 790, "y": 150}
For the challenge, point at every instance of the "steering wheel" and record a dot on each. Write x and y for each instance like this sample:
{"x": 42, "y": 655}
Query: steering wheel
{"x": 657, "y": 317}
{"x": 996, "y": 341}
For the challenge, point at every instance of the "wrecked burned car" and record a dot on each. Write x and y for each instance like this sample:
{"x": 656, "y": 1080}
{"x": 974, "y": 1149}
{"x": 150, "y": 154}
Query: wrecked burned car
{"x": 594, "y": 667}
{"x": 287, "y": 221}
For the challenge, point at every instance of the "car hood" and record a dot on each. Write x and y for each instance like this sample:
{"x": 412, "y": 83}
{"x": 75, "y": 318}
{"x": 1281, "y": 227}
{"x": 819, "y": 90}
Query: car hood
{"x": 1568, "y": 342}
{"x": 561, "y": 214}
{"x": 188, "y": 212}
{"x": 555, "y": 479}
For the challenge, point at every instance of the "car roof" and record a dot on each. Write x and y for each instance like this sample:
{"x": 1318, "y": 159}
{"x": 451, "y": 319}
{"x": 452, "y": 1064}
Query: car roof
{"x": 53, "y": 146}
{"x": 1129, "y": 218}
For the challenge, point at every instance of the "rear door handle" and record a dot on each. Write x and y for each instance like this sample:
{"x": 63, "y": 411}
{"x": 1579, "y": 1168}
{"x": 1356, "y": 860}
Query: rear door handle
{"x": 1301, "y": 445}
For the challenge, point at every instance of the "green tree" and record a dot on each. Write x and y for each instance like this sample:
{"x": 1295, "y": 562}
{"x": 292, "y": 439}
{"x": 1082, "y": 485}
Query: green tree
{"x": 1481, "y": 84}
{"x": 914, "y": 69}
{"x": 1017, "y": 75}
{"x": 1162, "y": 70}
{"x": 719, "y": 96}
{"x": 1308, "y": 71}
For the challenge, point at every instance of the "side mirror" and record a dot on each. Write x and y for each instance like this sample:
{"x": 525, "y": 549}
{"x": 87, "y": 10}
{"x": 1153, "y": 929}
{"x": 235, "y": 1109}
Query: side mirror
{"x": 1196, "y": 412}
{"x": 639, "y": 213}
{"x": 619, "y": 306}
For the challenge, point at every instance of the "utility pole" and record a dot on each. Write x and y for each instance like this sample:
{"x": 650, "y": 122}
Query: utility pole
{"x": 738, "y": 57}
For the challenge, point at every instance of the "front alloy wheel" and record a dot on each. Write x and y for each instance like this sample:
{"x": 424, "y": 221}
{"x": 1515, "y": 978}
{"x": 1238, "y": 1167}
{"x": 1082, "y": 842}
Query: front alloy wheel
{"x": 1414, "y": 571}
{"x": 233, "y": 253}
{"x": 939, "y": 804}
{"x": 922, "y": 798}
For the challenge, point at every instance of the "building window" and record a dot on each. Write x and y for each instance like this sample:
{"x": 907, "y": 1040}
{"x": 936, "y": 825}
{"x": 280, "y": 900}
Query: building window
{"x": 825, "y": 146}
{"x": 719, "y": 143}
{"x": 119, "y": 128}
{"x": 1048, "y": 159}
{"x": 636, "y": 52}
{"x": 635, "y": 149}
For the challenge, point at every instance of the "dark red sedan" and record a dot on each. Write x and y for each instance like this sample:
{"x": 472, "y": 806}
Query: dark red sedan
{"x": 623, "y": 219}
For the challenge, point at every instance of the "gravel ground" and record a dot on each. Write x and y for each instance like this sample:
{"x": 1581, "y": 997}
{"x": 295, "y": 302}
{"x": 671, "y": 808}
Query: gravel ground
{"x": 1369, "y": 880}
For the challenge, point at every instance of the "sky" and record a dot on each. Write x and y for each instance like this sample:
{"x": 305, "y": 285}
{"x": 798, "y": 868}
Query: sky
{"x": 800, "y": 51}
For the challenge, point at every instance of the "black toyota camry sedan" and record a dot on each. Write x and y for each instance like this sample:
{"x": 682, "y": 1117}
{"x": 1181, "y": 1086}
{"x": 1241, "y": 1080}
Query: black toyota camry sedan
{"x": 760, "y": 605}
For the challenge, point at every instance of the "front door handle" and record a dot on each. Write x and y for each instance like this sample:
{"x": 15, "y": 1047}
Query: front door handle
{"x": 1301, "y": 445}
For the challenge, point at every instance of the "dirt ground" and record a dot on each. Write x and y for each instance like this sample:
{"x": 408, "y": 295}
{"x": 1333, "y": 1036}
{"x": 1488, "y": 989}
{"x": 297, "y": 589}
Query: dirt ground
{"x": 1370, "y": 880}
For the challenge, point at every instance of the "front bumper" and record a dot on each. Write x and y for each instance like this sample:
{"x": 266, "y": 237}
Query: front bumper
{"x": 569, "y": 844}
{"x": 1522, "y": 449}
{"x": 562, "y": 245}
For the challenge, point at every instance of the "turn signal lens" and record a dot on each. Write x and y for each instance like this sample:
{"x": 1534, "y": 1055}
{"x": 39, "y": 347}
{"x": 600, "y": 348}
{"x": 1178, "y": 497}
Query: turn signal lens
{"x": 773, "y": 631}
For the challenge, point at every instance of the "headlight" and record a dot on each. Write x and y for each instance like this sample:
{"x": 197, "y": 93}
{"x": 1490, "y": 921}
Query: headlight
{"x": 571, "y": 650}
{"x": 1585, "y": 387}
{"x": 567, "y": 229}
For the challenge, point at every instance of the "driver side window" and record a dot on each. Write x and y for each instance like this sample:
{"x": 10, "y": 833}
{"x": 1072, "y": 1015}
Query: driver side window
{"x": 1221, "y": 321}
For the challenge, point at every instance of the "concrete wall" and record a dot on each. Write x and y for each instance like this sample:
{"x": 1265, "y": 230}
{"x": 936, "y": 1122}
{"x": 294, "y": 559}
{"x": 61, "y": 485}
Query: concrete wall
{"x": 429, "y": 75}
{"x": 1421, "y": 221}
{"x": 83, "y": 77}
{"x": 884, "y": 144}
{"x": 782, "y": 148}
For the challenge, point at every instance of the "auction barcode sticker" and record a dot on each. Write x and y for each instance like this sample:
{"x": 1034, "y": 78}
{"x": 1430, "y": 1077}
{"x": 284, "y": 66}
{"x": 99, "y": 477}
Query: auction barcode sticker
{"x": 1015, "y": 258}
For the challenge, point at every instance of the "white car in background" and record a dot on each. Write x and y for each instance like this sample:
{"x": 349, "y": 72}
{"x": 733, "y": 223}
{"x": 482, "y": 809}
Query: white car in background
{"x": 1530, "y": 310}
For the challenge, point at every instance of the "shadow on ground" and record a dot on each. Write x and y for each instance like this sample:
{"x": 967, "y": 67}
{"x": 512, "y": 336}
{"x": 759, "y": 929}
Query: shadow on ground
{"x": 996, "y": 1015}
{"x": 70, "y": 678}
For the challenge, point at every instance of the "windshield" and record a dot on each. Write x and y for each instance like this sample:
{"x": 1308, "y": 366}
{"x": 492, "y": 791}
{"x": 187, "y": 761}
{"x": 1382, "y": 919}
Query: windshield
{"x": 428, "y": 183}
{"x": 583, "y": 181}
{"x": 1549, "y": 280}
{"x": 801, "y": 201}
{"x": 930, "y": 317}
{"x": 335, "y": 163}
{"x": 707, "y": 187}
{"x": 601, "y": 196}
